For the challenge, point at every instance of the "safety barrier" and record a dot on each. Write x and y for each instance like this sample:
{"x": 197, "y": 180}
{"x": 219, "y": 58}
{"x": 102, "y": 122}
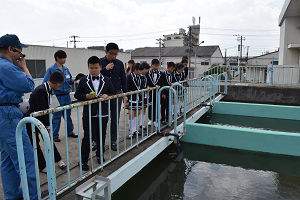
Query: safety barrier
{"x": 268, "y": 74}
{"x": 190, "y": 92}
{"x": 49, "y": 162}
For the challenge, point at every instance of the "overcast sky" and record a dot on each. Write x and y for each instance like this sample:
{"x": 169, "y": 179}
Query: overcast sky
{"x": 138, "y": 23}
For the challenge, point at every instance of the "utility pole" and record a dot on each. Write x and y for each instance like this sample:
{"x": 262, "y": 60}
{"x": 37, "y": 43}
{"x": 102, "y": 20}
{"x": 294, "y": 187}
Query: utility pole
{"x": 198, "y": 44}
{"x": 160, "y": 51}
{"x": 74, "y": 40}
{"x": 196, "y": 49}
{"x": 247, "y": 55}
{"x": 240, "y": 38}
{"x": 190, "y": 45}
{"x": 226, "y": 57}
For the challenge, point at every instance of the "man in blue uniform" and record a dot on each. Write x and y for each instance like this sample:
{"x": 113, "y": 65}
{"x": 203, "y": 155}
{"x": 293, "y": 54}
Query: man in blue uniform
{"x": 62, "y": 94}
{"x": 14, "y": 82}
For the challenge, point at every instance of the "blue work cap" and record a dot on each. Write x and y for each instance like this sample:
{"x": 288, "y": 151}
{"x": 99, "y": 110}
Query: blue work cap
{"x": 11, "y": 40}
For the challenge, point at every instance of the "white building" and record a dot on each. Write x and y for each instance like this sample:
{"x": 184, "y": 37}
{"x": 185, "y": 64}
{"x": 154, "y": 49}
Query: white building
{"x": 264, "y": 60}
{"x": 40, "y": 58}
{"x": 174, "y": 40}
{"x": 203, "y": 56}
{"x": 289, "y": 22}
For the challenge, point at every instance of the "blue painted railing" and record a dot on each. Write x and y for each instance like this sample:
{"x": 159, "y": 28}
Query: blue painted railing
{"x": 266, "y": 74}
{"x": 190, "y": 92}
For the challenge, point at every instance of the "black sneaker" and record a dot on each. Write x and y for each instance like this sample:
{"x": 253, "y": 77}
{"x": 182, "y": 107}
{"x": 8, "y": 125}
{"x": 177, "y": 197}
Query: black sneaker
{"x": 85, "y": 167}
{"x": 132, "y": 136}
{"x": 164, "y": 123}
{"x": 144, "y": 128}
{"x": 114, "y": 146}
{"x": 44, "y": 194}
{"x": 56, "y": 140}
{"x": 73, "y": 135}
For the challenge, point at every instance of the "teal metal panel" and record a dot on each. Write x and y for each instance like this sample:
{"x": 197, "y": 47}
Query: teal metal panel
{"x": 243, "y": 138}
{"x": 258, "y": 110}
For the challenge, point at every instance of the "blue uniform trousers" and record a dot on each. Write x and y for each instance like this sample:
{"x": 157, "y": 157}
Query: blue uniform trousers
{"x": 63, "y": 100}
{"x": 10, "y": 173}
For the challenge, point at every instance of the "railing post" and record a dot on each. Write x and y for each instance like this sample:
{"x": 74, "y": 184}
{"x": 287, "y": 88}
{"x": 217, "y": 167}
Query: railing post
{"x": 171, "y": 89}
{"x": 48, "y": 151}
{"x": 271, "y": 81}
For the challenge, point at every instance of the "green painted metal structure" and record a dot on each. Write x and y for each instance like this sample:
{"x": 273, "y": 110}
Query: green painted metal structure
{"x": 274, "y": 142}
{"x": 258, "y": 110}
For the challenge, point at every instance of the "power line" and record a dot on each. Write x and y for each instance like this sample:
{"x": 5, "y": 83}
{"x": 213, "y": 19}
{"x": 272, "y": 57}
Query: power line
{"x": 51, "y": 40}
{"x": 133, "y": 39}
{"x": 252, "y": 35}
{"x": 173, "y": 29}
{"x": 129, "y": 35}
{"x": 74, "y": 40}
{"x": 245, "y": 30}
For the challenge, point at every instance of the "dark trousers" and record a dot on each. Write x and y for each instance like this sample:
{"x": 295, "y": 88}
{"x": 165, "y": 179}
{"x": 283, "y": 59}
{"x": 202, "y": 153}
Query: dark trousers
{"x": 85, "y": 146}
{"x": 165, "y": 109}
{"x": 152, "y": 106}
{"x": 41, "y": 158}
{"x": 114, "y": 119}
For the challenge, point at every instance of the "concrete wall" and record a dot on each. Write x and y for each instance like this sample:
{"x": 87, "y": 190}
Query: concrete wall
{"x": 76, "y": 58}
{"x": 264, "y": 59}
{"x": 178, "y": 42}
{"x": 263, "y": 94}
{"x": 258, "y": 110}
{"x": 289, "y": 34}
{"x": 274, "y": 142}
{"x": 217, "y": 58}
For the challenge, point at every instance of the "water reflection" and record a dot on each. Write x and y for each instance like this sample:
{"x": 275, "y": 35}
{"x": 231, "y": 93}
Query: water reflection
{"x": 163, "y": 179}
{"x": 222, "y": 173}
{"x": 203, "y": 172}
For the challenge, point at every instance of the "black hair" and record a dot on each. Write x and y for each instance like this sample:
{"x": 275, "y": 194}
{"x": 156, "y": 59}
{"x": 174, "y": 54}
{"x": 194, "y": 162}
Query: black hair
{"x": 142, "y": 67}
{"x": 170, "y": 64}
{"x": 3, "y": 48}
{"x": 93, "y": 60}
{"x": 179, "y": 66}
{"x": 155, "y": 62}
{"x": 56, "y": 77}
{"x": 184, "y": 60}
{"x": 111, "y": 46}
{"x": 131, "y": 62}
{"x": 60, "y": 54}
{"x": 136, "y": 66}
{"x": 145, "y": 65}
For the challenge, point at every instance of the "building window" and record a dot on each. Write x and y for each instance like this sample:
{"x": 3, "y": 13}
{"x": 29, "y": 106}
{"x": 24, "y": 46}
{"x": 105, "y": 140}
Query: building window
{"x": 275, "y": 62}
{"x": 204, "y": 63}
{"x": 37, "y": 68}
